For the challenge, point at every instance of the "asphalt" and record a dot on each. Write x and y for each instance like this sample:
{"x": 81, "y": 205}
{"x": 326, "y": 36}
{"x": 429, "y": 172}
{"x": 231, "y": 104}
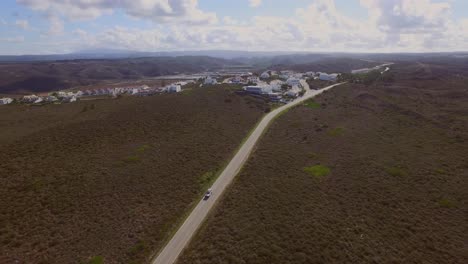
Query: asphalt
{"x": 182, "y": 237}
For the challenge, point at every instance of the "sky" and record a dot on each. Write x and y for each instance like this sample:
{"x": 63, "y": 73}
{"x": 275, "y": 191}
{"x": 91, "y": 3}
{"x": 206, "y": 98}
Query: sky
{"x": 64, "y": 26}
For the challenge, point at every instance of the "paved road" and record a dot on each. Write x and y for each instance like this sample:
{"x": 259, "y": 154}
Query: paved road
{"x": 182, "y": 237}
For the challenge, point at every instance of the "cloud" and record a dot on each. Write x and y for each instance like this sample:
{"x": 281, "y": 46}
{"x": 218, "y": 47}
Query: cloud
{"x": 391, "y": 26}
{"x": 166, "y": 11}
{"x": 24, "y": 24}
{"x": 56, "y": 26}
{"x": 13, "y": 39}
{"x": 255, "y": 3}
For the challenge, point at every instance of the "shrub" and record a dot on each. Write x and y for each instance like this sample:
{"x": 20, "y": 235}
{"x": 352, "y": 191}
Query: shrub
{"x": 132, "y": 159}
{"x": 444, "y": 202}
{"x": 312, "y": 104}
{"x": 143, "y": 148}
{"x": 317, "y": 171}
{"x": 336, "y": 131}
{"x": 96, "y": 260}
{"x": 206, "y": 178}
{"x": 395, "y": 171}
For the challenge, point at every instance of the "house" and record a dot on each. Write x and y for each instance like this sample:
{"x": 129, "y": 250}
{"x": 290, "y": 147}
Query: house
{"x": 5, "y": 101}
{"x": 210, "y": 81}
{"x": 38, "y": 100}
{"x": 258, "y": 89}
{"x": 276, "y": 85}
{"x": 50, "y": 99}
{"x": 174, "y": 88}
{"x": 237, "y": 79}
{"x": 294, "y": 92}
{"x": 265, "y": 75}
{"x": 275, "y": 97}
{"x": 253, "y": 79}
{"x": 134, "y": 91}
{"x": 69, "y": 99}
{"x": 328, "y": 77}
{"x": 29, "y": 98}
{"x": 293, "y": 81}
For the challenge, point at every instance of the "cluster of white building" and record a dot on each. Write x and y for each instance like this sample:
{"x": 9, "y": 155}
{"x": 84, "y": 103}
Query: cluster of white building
{"x": 70, "y": 97}
{"x": 5, "y": 101}
{"x": 283, "y": 84}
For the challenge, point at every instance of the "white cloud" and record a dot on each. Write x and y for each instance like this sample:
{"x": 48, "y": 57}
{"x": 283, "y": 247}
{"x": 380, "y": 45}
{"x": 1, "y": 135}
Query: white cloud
{"x": 13, "y": 39}
{"x": 157, "y": 10}
{"x": 255, "y": 3}
{"x": 392, "y": 26}
{"x": 56, "y": 26}
{"x": 21, "y": 23}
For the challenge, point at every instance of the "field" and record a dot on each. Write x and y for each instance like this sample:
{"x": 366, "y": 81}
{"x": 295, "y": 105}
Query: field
{"x": 364, "y": 174}
{"x": 111, "y": 179}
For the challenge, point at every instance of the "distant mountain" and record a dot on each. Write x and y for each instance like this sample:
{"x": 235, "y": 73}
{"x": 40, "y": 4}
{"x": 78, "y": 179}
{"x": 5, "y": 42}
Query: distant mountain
{"x": 126, "y": 54}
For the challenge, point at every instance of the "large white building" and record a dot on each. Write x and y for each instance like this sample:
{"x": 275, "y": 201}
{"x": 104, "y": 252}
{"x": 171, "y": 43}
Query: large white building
{"x": 258, "y": 89}
{"x": 210, "y": 81}
{"x": 265, "y": 75}
{"x": 293, "y": 81}
{"x": 253, "y": 79}
{"x": 174, "y": 88}
{"x": 5, "y": 101}
{"x": 328, "y": 77}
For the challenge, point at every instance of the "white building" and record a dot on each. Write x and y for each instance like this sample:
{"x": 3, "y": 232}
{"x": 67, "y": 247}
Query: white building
{"x": 265, "y": 75}
{"x": 30, "y": 98}
{"x": 253, "y": 79}
{"x": 210, "y": 81}
{"x": 294, "y": 92}
{"x": 174, "y": 88}
{"x": 237, "y": 79}
{"x": 39, "y": 100}
{"x": 51, "y": 99}
{"x": 293, "y": 81}
{"x": 276, "y": 85}
{"x": 5, "y": 101}
{"x": 258, "y": 89}
{"x": 328, "y": 77}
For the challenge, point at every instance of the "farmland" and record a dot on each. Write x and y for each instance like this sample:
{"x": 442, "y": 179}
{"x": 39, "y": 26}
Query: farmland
{"x": 364, "y": 174}
{"x": 111, "y": 179}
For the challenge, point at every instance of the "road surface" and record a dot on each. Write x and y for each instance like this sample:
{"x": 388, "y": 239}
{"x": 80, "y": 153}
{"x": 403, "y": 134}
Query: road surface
{"x": 182, "y": 237}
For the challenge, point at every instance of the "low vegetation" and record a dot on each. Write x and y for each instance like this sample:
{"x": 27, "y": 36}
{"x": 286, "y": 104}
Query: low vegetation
{"x": 312, "y": 104}
{"x": 318, "y": 171}
{"x": 115, "y": 181}
{"x": 359, "y": 213}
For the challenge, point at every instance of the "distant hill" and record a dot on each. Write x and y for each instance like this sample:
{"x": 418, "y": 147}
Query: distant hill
{"x": 56, "y": 75}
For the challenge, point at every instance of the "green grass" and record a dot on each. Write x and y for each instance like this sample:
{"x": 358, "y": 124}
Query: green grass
{"x": 395, "y": 171}
{"x": 143, "y": 148}
{"x": 318, "y": 171}
{"x": 207, "y": 178}
{"x": 446, "y": 203}
{"x": 96, "y": 260}
{"x": 132, "y": 159}
{"x": 312, "y": 104}
{"x": 336, "y": 131}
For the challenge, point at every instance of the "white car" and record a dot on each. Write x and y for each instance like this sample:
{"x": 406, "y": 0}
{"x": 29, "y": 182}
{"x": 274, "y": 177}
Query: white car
{"x": 208, "y": 194}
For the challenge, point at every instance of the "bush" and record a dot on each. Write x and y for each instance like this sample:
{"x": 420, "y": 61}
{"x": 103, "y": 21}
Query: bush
{"x": 312, "y": 104}
{"x": 336, "y": 131}
{"x": 395, "y": 171}
{"x": 97, "y": 260}
{"x": 317, "y": 171}
{"x": 447, "y": 203}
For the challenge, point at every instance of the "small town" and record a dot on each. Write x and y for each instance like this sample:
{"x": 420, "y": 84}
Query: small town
{"x": 276, "y": 86}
